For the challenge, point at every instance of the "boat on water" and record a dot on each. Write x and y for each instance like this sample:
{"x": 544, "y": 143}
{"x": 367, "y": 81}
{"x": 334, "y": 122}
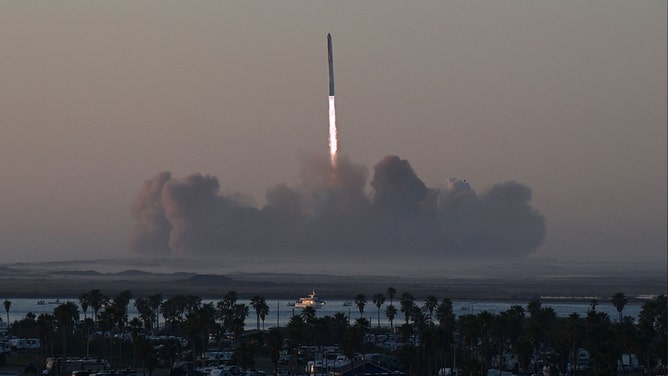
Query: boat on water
{"x": 311, "y": 300}
{"x": 347, "y": 303}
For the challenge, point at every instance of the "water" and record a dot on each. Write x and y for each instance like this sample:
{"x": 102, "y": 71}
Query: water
{"x": 280, "y": 313}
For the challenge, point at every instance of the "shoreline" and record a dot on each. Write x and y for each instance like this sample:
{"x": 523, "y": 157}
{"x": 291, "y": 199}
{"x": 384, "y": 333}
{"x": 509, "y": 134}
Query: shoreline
{"x": 548, "y": 282}
{"x": 462, "y": 290}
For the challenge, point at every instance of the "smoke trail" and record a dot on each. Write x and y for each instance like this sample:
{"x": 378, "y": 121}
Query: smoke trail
{"x": 333, "y": 137}
{"x": 337, "y": 210}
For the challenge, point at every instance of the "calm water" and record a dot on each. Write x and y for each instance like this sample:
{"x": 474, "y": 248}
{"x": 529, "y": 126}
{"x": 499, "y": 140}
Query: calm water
{"x": 280, "y": 312}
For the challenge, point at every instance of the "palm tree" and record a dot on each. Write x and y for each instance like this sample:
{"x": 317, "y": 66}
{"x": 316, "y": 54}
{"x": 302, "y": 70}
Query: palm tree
{"x": 360, "y": 302}
{"x": 121, "y": 301}
{"x": 430, "y": 303}
{"x": 308, "y": 314}
{"x": 419, "y": 319}
{"x": 96, "y": 300}
{"x": 45, "y": 328}
{"x": 230, "y": 298}
{"x": 135, "y": 325}
{"x": 593, "y": 303}
{"x": 264, "y": 311}
{"x": 145, "y": 312}
{"x": 170, "y": 311}
{"x": 240, "y": 313}
{"x": 651, "y": 325}
{"x": 257, "y": 302}
{"x": 619, "y": 300}
{"x": 378, "y": 300}
{"x": 339, "y": 323}
{"x": 540, "y": 324}
{"x": 84, "y": 303}
{"x": 115, "y": 315}
{"x": 207, "y": 318}
{"x": 191, "y": 303}
{"x": 391, "y": 313}
{"x": 391, "y": 292}
{"x": 7, "y": 304}
{"x": 295, "y": 331}
{"x": 534, "y": 307}
{"x": 182, "y": 303}
{"x": 446, "y": 320}
{"x": 407, "y": 302}
{"x": 469, "y": 330}
{"x": 155, "y": 301}
{"x": 486, "y": 322}
{"x": 363, "y": 323}
{"x": 445, "y": 316}
{"x": 197, "y": 326}
{"x": 510, "y": 322}
{"x": 226, "y": 310}
{"x": 106, "y": 321}
{"x": 318, "y": 331}
{"x": 66, "y": 315}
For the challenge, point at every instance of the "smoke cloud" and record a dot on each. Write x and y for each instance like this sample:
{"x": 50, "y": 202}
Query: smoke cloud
{"x": 151, "y": 233}
{"x": 336, "y": 209}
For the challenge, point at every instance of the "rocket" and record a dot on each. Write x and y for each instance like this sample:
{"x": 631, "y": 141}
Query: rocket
{"x": 333, "y": 137}
{"x": 330, "y": 61}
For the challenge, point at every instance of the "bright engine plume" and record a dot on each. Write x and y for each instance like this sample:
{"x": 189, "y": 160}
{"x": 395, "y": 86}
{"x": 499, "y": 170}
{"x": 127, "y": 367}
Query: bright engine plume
{"x": 333, "y": 147}
{"x": 333, "y": 137}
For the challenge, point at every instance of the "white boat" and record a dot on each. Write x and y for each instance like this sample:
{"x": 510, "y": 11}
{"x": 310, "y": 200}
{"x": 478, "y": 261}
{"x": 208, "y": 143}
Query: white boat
{"x": 311, "y": 300}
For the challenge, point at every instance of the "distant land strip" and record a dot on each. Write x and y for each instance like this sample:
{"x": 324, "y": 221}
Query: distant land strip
{"x": 17, "y": 283}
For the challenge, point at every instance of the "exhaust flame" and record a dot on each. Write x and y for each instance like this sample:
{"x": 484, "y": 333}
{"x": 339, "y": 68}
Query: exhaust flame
{"x": 333, "y": 138}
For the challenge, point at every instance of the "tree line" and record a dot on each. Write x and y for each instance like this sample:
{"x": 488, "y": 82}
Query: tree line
{"x": 430, "y": 335}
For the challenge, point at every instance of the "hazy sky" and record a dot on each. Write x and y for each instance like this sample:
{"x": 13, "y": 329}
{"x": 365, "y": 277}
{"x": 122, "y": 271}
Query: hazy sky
{"x": 566, "y": 97}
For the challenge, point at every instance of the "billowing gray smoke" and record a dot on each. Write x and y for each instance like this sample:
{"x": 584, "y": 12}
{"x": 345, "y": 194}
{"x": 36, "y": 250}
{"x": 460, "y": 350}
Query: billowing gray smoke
{"x": 396, "y": 187}
{"x": 151, "y": 233}
{"x": 331, "y": 211}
